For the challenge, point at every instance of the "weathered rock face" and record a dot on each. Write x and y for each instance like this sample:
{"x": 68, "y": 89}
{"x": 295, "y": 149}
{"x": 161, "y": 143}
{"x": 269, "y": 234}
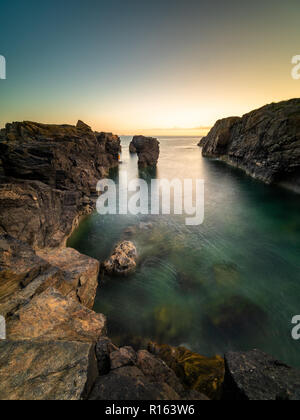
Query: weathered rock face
{"x": 24, "y": 274}
{"x": 51, "y": 316}
{"x": 51, "y": 173}
{"x": 147, "y": 149}
{"x": 46, "y": 371}
{"x": 203, "y": 374}
{"x": 62, "y": 156}
{"x": 257, "y": 376}
{"x": 79, "y": 272}
{"x": 264, "y": 143}
{"x": 123, "y": 260}
{"x": 135, "y": 376}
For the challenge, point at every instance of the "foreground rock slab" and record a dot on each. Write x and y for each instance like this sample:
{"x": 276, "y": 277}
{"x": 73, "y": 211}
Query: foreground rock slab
{"x": 147, "y": 149}
{"x": 51, "y": 316}
{"x": 127, "y": 375}
{"x": 265, "y": 143}
{"x": 123, "y": 260}
{"x": 255, "y": 375}
{"x": 46, "y": 371}
{"x": 80, "y": 272}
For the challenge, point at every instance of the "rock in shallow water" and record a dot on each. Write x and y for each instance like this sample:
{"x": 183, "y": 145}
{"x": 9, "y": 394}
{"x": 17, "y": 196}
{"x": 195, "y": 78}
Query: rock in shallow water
{"x": 255, "y": 375}
{"x": 147, "y": 149}
{"x": 46, "y": 371}
{"x": 123, "y": 260}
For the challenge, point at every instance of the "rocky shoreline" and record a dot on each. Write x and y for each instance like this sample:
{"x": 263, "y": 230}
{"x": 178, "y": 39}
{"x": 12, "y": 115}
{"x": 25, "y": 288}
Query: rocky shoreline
{"x": 264, "y": 143}
{"x": 57, "y": 346}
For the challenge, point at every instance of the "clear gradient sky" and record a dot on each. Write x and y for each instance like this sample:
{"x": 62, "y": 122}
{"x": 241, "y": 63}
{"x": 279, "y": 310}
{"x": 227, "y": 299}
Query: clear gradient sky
{"x": 131, "y": 66}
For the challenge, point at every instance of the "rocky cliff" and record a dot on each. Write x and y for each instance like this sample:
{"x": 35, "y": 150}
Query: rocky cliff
{"x": 50, "y": 173}
{"x": 147, "y": 149}
{"x": 264, "y": 143}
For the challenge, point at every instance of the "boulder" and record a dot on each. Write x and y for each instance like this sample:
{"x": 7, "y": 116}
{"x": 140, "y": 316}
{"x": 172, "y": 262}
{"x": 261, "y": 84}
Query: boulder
{"x": 255, "y": 375}
{"x": 265, "y": 143}
{"x": 147, "y": 149}
{"x": 124, "y": 356}
{"x": 104, "y": 348}
{"x": 46, "y": 370}
{"x": 196, "y": 372}
{"x": 51, "y": 316}
{"x": 123, "y": 260}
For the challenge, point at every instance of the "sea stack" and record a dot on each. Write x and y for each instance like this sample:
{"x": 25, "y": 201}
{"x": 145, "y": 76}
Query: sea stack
{"x": 147, "y": 149}
{"x": 265, "y": 143}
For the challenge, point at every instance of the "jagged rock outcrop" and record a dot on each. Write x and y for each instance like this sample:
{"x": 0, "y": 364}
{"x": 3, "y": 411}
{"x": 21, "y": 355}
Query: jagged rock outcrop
{"x": 24, "y": 274}
{"x": 196, "y": 372}
{"x": 80, "y": 273}
{"x": 51, "y": 173}
{"x": 265, "y": 143}
{"x": 147, "y": 149}
{"x": 136, "y": 376}
{"x": 123, "y": 260}
{"x": 255, "y": 375}
{"x": 32, "y": 370}
{"x": 62, "y": 156}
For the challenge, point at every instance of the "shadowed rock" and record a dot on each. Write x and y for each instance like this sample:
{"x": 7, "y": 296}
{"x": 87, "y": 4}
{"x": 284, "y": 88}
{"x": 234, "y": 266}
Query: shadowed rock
{"x": 51, "y": 173}
{"x": 265, "y": 143}
{"x": 147, "y": 149}
{"x": 255, "y": 375}
{"x": 136, "y": 376}
{"x": 199, "y": 373}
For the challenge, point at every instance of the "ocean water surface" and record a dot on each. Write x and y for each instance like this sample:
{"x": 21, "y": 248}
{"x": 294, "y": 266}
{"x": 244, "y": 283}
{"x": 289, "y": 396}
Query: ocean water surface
{"x": 232, "y": 283}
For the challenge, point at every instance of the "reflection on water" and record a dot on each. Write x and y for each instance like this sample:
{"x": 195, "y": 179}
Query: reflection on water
{"x": 230, "y": 284}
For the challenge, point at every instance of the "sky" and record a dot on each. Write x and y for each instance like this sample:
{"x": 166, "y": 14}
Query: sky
{"x": 164, "y": 67}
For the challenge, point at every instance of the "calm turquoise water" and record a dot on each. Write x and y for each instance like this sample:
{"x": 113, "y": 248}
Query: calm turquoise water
{"x": 232, "y": 283}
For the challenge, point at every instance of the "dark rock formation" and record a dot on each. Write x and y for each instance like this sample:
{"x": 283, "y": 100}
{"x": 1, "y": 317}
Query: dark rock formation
{"x": 62, "y": 156}
{"x": 147, "y": 149}
{"x": 51, "y": 173}
{"x": 257, "y": 376}
{"x": 202, "y": 374}
{"x": 136, "y": 376}
{"x": 46, "y": 371}
{"x": 264, "y": 143}
{"x": 123, "y": 260}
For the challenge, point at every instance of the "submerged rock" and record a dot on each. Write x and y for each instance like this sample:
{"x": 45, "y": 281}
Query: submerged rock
{"x": 147, "y": 149}
{"x": 236, "y": 316}
{"x": 265, "y": 143}
{"x": 123, "y": 260}
{"x": 46, "y": 371}
{"x": 203, "y": 374}
{"x": 255, "y": 375}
